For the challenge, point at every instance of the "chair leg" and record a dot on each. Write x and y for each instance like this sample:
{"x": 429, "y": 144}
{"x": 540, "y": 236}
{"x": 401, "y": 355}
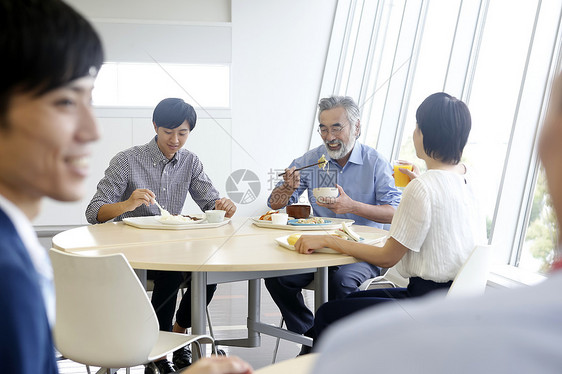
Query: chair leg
{"x": 88, "y": 369}
{"x": 277, "y": 342}
{"x": 107, "y": 371}
{"x": 210, "y": 324}
{"x": 199, "y": 351}
{"x": 214, "y": 349}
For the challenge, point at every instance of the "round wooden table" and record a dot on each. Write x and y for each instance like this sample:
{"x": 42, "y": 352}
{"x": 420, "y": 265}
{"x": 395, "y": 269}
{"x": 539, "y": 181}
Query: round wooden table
{"x": 238, "y": 250}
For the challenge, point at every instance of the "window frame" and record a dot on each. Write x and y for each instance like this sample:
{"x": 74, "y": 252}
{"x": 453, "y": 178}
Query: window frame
{"x": 520, "y": 168}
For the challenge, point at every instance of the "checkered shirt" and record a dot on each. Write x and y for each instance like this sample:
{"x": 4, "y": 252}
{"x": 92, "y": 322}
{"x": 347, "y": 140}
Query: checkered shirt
{"x": 146, "y": 167}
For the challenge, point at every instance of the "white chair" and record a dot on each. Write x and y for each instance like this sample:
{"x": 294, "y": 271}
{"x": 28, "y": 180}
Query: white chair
{"x": 389, "y": 278}
{"x": 470, "y": 280}
{"x": 104, "y": 316}
{"x": 150, "y": 287}
{"x": 472, "y": 277}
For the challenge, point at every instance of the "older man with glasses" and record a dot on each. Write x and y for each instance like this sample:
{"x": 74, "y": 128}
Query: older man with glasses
{"x": 367, "y": 195}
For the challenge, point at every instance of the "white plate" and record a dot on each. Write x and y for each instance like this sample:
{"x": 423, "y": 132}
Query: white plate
{"x": 336, "y": 224}
{"x": 372, "y": 239}
{"x": 151, "y": 222}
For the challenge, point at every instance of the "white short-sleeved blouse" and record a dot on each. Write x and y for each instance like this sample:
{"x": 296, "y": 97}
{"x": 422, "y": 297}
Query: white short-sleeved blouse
{"x": 438, "y": 221}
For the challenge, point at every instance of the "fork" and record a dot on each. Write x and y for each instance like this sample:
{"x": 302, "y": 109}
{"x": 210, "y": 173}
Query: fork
{"x": 163, "y": 212}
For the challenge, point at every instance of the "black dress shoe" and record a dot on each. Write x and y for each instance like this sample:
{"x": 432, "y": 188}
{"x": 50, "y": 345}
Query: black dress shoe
{"x": 182, "y": 358}
{"x": 164, "y": 367}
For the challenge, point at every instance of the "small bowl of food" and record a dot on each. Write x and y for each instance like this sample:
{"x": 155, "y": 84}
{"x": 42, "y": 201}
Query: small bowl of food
{"x": 323, "y": 193}
{"x": 298, "y": 210}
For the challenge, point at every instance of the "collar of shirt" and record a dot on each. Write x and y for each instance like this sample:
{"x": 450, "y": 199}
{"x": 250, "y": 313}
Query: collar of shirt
{"x": 354, "y": 158}
{"x": 157, "y": 154}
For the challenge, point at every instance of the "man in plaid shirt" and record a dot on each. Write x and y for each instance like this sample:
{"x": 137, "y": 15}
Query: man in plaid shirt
{"x": 160, "y": 170}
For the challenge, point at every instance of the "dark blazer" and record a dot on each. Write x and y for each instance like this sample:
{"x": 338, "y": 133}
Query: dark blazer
{"x": 26, "y": 343}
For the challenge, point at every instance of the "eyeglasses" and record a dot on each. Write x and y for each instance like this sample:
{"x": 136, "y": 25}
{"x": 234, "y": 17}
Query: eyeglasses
{"x": 334, "y": 130}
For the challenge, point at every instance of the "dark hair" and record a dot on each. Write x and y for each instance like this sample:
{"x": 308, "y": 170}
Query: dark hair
{"x": 44, "y": 45}
{"x": 445, "y": 124}
{"x": 172, "y": 112}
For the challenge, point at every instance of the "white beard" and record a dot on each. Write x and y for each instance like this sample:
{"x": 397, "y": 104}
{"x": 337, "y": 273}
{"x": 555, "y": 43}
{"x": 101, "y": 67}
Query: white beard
{"x": 343, "y": 151}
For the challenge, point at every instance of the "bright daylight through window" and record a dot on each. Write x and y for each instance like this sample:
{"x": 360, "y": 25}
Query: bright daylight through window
{"x": 144, "y": 84}
{"x": 389, "y": 55}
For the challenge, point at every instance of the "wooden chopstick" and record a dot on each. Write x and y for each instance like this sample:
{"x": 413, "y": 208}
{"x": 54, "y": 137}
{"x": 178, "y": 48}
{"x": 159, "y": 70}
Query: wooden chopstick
{"x": 304, "y": 167}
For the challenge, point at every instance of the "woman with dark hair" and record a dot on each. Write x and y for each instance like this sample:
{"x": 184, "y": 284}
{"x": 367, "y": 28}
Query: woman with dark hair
{"x": 436, "y": 225}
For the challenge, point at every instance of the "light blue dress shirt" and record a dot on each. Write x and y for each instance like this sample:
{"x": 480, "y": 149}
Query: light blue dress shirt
{"x": 366, "y": 177}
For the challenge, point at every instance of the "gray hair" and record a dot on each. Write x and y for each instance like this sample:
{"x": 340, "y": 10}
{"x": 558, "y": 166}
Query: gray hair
{"x": 345, "y": 102}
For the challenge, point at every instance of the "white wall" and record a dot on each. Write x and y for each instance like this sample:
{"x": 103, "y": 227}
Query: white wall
{"x": 155, "y": 10}
{"x": 278, "y": 52}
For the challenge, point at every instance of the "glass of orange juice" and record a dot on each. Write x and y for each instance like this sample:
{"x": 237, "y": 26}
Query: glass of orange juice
{"x": 401, "y": 179}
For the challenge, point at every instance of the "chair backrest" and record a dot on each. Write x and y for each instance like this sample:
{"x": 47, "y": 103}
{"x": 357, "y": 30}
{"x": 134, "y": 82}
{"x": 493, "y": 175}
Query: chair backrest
{"x": 104, "y": 317}
{"x": 389, "y": 278}
{"x": 473, "y": 275}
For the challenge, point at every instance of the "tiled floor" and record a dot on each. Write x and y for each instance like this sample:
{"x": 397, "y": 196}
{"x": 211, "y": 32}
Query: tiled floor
{"x": 228, "y": 315}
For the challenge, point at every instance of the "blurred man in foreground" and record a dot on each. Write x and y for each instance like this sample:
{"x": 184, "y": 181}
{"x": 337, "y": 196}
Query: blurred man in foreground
{"x": 50, "y": 58}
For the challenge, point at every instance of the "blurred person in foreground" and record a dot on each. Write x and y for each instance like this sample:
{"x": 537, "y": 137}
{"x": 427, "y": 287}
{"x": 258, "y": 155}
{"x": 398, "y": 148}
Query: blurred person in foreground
{"x": 503, "y": 331}
{"x": 50, "y": 58}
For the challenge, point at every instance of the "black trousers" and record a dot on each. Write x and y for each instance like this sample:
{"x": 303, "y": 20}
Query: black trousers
{"x": 164, "y": 297}
{"x": 335, "y": 310}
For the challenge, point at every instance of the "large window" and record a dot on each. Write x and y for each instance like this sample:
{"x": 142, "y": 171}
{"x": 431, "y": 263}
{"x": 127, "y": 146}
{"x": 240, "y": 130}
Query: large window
{"x": 541, "y": 234}
{"x": 389, "y": 55}
{"x": 145, "y": 84}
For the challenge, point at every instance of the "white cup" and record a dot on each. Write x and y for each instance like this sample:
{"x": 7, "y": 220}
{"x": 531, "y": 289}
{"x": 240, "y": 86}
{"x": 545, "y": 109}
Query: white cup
{"x": 215, "y": 216}
{"x": 279, "y": 218}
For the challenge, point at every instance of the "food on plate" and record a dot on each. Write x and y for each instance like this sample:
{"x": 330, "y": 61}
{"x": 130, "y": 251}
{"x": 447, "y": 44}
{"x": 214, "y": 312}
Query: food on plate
{"x": 292, "y": 239}
{"x": 267, "y": 216}
{"x": 311, "y": 220}
{"x": 342, "y": 234}
{"x": 350, "y": 233}
{"x": 322, "y": 162}
{"x": 174, "y": 219}
{"x": 193, "y": 218}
